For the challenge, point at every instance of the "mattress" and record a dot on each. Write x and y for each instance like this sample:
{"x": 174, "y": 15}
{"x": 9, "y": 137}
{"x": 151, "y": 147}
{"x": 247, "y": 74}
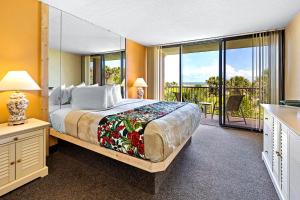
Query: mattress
{"x": 161, "y": 137}
{"x": 56, "y": 110}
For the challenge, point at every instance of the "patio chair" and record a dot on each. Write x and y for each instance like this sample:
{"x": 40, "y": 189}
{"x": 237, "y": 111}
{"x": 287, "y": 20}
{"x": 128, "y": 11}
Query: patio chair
{"x": 177, "y": 95}
{"x": 233, "y": 105}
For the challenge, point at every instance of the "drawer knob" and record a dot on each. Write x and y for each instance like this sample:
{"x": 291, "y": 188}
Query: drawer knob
{"x": 12, "y": 163}
{"x": 266, "y": 134}
{"x": 278, "y": 154}
{"x": 18, "y": 161}
{"x": 266, "y": 152}
{"x": 15, "y": 139}
{"x": 266, "y": 118}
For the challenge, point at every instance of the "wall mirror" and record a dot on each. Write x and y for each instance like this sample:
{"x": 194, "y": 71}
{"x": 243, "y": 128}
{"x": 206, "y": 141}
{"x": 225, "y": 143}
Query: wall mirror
{"x": 81, "y": 54}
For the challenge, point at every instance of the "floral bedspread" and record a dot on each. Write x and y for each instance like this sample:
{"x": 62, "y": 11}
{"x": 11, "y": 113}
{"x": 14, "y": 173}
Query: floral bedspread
{"x": 124, "y": 132}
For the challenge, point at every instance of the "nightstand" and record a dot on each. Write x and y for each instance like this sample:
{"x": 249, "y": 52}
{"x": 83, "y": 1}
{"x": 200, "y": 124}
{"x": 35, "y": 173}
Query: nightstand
{"x": 22, "y": 154}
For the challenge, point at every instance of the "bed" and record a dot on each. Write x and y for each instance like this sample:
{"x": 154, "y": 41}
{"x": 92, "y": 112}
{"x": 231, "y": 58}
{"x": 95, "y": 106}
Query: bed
{"x": 163, "y": 137}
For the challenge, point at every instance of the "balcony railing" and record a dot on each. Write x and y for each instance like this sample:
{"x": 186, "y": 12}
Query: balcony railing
{"x": 196, "y": 94}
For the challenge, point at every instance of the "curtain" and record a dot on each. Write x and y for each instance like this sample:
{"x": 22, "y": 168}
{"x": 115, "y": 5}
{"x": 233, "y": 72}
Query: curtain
{"x": 267, "y": 68}
{"x": 153, "y": 60}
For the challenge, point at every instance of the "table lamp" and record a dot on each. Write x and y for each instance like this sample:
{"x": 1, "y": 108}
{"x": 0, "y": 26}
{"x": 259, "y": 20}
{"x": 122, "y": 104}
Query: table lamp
{"x": 17, "y": 81}
{"x": 140, "y": 83}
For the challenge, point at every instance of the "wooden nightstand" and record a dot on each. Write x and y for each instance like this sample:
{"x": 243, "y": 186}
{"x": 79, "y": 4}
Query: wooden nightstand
{"x": 22, "y": 154}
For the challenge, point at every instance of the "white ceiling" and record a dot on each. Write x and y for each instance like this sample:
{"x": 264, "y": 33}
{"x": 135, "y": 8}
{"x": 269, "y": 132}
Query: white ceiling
{"x": 153, "y": 22}
{"x": 74, "y": 35}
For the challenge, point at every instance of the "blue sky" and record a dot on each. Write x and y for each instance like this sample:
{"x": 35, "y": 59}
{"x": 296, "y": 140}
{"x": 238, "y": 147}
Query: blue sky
{"x": 198, "y": 67}
{"x": 113, "y": 63}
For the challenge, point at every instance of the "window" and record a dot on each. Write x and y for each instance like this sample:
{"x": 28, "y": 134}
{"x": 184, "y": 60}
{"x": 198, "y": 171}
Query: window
{"x": 113, "y": 68}
{"x": 171, "y": 73}
{"x": 107, "y": 68}
{"x": 227, "y": 78}
{"x": 200, "y": 64}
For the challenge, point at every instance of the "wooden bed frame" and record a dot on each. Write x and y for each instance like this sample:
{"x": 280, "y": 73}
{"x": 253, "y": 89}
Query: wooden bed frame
{"x": 148, "y": 166}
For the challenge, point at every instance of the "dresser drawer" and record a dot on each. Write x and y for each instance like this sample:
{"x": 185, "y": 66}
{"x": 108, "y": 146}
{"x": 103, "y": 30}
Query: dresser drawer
{"x": 267, "y": 138}
{"x": 21, "y": 136}
{"x": 268, "y": 119}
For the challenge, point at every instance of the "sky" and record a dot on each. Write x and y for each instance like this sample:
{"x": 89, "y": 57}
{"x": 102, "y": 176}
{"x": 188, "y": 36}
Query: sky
{"x": 198, "y": 67}
{"x": 113, "y": 63}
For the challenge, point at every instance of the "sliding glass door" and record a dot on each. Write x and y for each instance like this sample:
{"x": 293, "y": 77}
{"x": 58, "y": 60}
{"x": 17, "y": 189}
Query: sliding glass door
{"x": 190, "y": 74}
{"x": 241, "y": 93}
{"x": 252, "y": 74}
{"x": 200, "y": 71}
{"x": 228, "y": 79}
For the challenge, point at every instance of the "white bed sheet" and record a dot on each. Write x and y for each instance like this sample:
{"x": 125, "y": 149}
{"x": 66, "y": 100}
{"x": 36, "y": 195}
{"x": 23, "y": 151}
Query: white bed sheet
{"x": 58, "y": 115}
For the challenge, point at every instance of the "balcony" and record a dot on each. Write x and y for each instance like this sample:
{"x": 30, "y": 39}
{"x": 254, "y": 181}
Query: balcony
{"x": 208, "y": 100}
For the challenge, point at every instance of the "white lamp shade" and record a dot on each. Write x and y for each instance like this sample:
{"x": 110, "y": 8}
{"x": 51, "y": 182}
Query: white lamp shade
{"x": 140, "y": 82}
{"x": 18, "y": 80}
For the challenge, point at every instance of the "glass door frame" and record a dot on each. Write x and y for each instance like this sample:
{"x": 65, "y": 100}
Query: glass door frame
{"x": 222, "y": 84}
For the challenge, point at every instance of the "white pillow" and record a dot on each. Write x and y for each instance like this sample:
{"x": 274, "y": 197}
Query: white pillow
{"x": 55, "y": 95}
{"x": 89, "y": 98}
{"x": 110, "y": 99}
{"x": 81, "y": 85}
{"x": 95, "y": 85}
{"x": 117, "y": 96}
{"x": 66, "y": 94}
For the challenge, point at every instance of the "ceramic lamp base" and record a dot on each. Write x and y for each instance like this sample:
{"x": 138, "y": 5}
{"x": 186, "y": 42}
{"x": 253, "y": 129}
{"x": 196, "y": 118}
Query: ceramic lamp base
{"x": 140, "y": 93}
{"x": 17, "y": 106}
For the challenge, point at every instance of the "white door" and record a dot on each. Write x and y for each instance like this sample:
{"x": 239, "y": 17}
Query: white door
{"x": 7, "y": 164}
{"x": 29, "y": 156}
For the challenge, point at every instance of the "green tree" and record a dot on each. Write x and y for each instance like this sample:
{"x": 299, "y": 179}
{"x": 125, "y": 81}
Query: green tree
{"x": 113, "y": 75}
{"x": 238, "y": 81}
{"x": 213, "y": 84}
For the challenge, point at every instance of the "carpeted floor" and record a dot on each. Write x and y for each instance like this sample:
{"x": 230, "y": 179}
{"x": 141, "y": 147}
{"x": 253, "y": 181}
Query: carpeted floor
{"x": 219, "y": 164}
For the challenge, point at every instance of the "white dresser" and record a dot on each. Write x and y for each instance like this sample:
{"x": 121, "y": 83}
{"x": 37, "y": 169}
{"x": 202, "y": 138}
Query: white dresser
{"x": 281, "y": 152}
{"x": 22, "y": 154}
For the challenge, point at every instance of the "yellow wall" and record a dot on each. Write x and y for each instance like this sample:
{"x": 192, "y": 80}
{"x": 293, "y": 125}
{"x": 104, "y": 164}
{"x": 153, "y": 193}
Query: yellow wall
{"x": 70, "y": 69}
{"x": 20, "y": 48}
{"x": 135, "y": 65}
{"x": 292, "y": 59}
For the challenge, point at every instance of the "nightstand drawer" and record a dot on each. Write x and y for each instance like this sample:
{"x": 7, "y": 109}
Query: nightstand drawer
{"x": 21, "y": 136}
